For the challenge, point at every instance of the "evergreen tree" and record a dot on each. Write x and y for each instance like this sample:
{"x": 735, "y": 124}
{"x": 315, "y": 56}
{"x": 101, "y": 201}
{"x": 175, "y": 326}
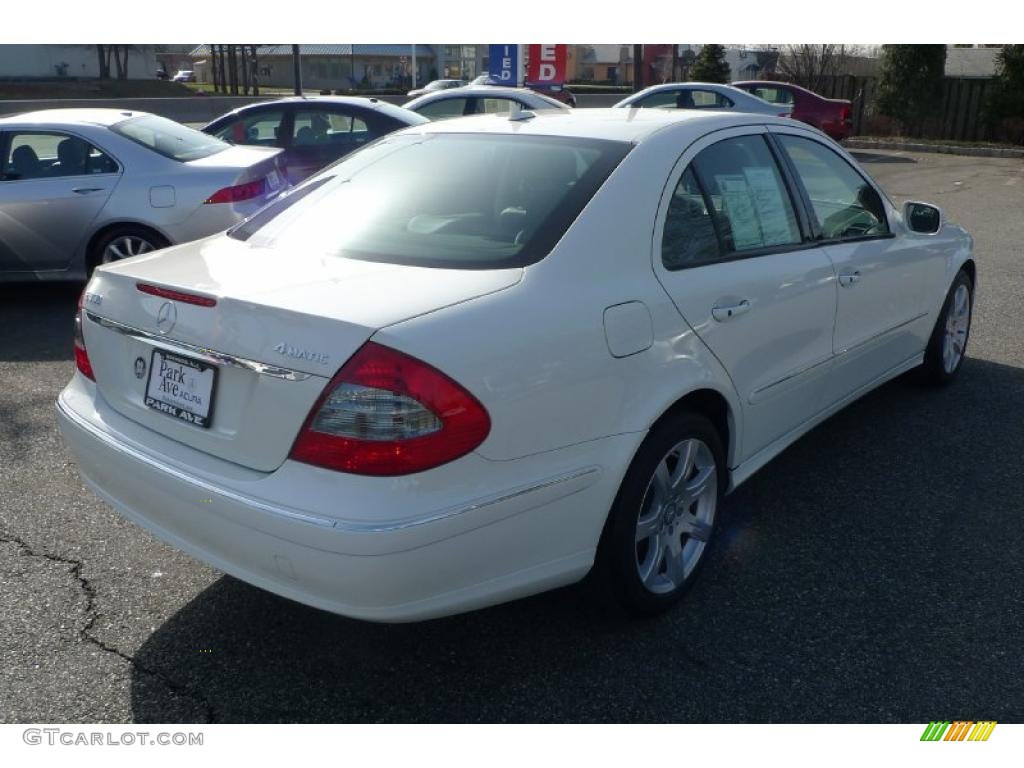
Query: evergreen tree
{"x": 1006, "y": 102}
{"x": 711, "y": 66}
{"x": 910, "y": 84}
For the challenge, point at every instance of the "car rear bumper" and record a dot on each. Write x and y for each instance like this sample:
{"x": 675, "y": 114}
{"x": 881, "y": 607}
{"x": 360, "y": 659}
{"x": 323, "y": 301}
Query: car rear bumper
{"x": 419, "y": 562}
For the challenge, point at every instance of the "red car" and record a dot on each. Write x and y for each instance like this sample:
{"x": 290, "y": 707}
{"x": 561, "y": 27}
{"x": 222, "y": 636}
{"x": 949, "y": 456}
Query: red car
{"x": 833, "y": 116}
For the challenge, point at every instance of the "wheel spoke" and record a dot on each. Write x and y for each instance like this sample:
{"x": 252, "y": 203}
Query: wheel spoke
{"x": 674, "y": 566}
{"x": 694, "y": 528}
{"x": 655, "y": 554}
{"x": 699, "y": 485}
{"x": 662, "y": 481}
{"x": 687, "y": 454}
{"x": 648, "y": 526}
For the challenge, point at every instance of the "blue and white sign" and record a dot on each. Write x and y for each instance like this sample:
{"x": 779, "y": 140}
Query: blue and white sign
{"x": 503, "y": 64}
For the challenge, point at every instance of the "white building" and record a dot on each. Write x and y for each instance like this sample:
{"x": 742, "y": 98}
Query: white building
{"x": 52, "y": 61}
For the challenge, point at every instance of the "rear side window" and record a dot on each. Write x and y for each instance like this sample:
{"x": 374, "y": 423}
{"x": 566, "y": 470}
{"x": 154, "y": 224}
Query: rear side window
{"x": 464, "y": 201}
{"x": 494, "y": 106}
{"x": 773, "y": 95}
{"x": 168, "y": 138}
{"x": 689, "y": 238}
{"x": 707, "y": 100}
{"x": 749, "y": 200}
{"x": 324, "y": 127}
{"x": 443, "y": 108}
{"x": 844, "y": 204}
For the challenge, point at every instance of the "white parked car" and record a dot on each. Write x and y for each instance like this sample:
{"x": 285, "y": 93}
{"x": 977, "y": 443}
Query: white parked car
{"x": 705, "y": 96}
{"x": 471, "y": 360}
{"x": 479, "y": 100}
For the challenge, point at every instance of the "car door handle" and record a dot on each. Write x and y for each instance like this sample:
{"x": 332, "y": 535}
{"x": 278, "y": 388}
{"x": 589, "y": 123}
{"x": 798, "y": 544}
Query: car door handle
{"x": 86, "y": 190}
{"x": 849, "y": 279}
{"x": 723, "y": 312}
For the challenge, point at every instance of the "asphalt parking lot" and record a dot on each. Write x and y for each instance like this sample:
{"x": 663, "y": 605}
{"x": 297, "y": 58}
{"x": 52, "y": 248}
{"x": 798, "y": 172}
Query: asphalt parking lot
{"x": 872, "y": 573}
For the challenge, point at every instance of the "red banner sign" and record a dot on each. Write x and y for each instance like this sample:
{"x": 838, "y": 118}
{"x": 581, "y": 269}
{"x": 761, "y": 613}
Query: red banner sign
{"x": 546, "y": 64}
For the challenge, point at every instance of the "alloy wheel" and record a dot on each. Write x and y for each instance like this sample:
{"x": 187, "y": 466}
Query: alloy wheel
{"x": 676, "y": 516}
{"x": 958, "y": 323}
{"x": 124, "y": 247}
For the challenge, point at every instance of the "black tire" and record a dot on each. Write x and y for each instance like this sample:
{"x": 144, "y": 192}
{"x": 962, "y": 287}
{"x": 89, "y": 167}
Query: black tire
{"x": 152, "y": 239}
{"x": 618, "y": 563}
{"x": 935, "y": 370}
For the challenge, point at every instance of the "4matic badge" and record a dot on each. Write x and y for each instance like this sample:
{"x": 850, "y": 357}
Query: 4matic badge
{"x": 301, "y": 354}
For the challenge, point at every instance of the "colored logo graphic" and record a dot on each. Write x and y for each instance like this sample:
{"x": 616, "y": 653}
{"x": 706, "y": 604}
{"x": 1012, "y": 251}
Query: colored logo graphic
{"x": 959, "y": 730}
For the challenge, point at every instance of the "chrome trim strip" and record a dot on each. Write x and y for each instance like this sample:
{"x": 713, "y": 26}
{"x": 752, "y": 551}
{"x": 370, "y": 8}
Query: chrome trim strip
{"x": 835, "y": 356}
{"x": 880, "y": 334}
{"x": 348, "y": 526}
{"x": 472, "y": 506}
{"x": 789, "y": 376}
{"x": 213, "y": 356}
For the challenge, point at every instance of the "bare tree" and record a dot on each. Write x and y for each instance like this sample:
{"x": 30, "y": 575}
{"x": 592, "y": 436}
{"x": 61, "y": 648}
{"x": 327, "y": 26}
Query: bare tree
{"x": 810, "y": 65}
{"x": 103, "y": 54}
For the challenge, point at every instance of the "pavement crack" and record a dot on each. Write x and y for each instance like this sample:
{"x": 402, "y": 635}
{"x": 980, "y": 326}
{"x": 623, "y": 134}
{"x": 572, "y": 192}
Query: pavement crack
{"x": 92, "y": 613}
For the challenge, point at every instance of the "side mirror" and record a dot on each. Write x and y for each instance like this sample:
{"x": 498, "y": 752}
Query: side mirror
{"x": 922, "y": 218}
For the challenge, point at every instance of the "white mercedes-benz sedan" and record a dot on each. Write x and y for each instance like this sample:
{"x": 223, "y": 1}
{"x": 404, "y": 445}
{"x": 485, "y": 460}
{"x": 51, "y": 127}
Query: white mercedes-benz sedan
{"x": 479, "y": 358}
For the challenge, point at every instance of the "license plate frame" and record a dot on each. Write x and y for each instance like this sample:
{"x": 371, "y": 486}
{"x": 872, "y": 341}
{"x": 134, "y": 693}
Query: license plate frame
{"x": 177, "y": 407}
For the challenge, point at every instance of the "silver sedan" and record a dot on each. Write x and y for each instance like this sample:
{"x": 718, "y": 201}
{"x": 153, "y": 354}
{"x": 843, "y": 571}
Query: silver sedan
{"x": 477, "y": 100}
{"x": 82, "y": 187}
{"x": 711, "y": 96}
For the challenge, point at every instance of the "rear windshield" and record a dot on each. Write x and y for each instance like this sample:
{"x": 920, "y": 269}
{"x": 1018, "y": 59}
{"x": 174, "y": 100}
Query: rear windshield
{"x": 462, "y": 201}
{"x": 168, "y": 138}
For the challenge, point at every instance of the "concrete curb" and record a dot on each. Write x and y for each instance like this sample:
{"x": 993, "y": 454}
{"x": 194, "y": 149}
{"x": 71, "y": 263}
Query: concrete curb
{"x": 947, "y": 149}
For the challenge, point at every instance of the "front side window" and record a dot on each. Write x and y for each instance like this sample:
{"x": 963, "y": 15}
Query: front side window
{"x": 168, "y": 138}
{"x": 750, "y": 202}
{"x": 658, "y": 99}
{"x": 443, "y": 109}
{"x": 46, "y": 155}
{"x": 844, "y": 204}
{"x": 464, "y": 201}
{"x": 315, "y": 127}
{"x": 260, "y": 129}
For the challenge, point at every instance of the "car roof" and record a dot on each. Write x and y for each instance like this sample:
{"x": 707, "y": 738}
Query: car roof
{"x": 774, "y": 84}
{"x": 72, "y": 116}
{"x": 363, "y": 102}
{"x": 693, "y": 84}
{"x": 484, "y": 90}
{"x": 617, "y": 124}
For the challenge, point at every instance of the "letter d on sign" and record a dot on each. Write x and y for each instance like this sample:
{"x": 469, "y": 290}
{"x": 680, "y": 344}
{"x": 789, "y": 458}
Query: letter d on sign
{"x": 547, "y": 72}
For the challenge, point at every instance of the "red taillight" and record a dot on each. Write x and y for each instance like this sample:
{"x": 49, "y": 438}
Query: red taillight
{"x": 846, "y": 113}
{"x": 386, "y": 413}
{"x": 185, "y": 298}
{"x": 238, "y": 193}
{"x": 81, "y": 356}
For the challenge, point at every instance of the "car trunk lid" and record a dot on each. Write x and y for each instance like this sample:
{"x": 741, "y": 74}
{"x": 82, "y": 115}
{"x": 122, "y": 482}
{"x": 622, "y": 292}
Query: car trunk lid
{"x": 279, "y": 327}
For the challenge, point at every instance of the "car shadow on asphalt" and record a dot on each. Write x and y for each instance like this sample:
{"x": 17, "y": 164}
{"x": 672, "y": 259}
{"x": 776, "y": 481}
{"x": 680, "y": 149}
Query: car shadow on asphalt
{"x": 867, "y": 575}
{"x": 38, "y": 321}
